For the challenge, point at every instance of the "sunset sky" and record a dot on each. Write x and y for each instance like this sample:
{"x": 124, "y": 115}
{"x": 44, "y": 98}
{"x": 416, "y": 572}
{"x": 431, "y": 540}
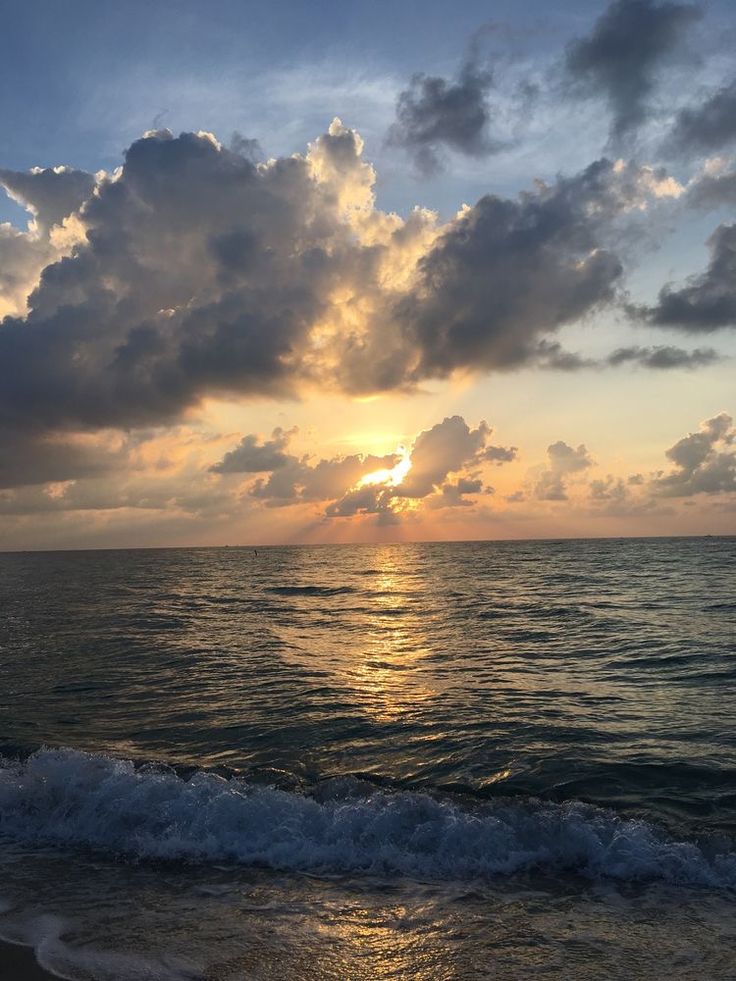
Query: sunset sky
{"x": 277, "y": 273}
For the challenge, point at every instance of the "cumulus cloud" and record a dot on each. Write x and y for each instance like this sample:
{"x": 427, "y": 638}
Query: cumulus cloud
{"x": 620, "y": 59}
{"x": 439, "y": 468}
{"x": 608, "y": 489}
{"x": 52, "y": 197}
{"x": 254, "y": 456}
{"x": 553, "y": 356}
{"x": 449, "y": 447}
{"x": 708, "y": 301}
{"x": 663, "y": 357}
{"x": 707, "y": 127}
{"x": 445, "y": 448}
{"x": 612, "y": 497}
{"x": 500, "y": 454}
{"x": 298, "y": 480}
{"x": 452, "y": 494}
{"x": 193, "y": 271}
{"x": 704, "y": 462}
{"x": 373, "y": 499}
{"x": 714, "y": 187}
{"x": 436, "y": 113}
{"x": 51, "y": 194}
{"x": 247, "y": 147}
{"x": 563, "y": 461}
{"x": 508, "y": 271}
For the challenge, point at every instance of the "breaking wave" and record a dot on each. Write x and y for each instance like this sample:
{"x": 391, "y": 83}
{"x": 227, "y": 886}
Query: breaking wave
{"x": 69, "y": 797}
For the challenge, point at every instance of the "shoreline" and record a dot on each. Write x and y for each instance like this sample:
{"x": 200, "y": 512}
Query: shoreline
{"x": 18, "y": 963}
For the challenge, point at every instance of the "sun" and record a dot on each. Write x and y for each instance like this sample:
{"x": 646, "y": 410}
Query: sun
{"x": 389, "y": 477}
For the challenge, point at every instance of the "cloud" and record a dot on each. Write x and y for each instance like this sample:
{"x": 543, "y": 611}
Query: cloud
{"x": 704, "y": 462}
{"x": 436, "y": 113}
{"x": 552, "y": 356}
{"x": 707, "y": 127}
{"x": 439, "y": 469}
{"x": 449, "y": 447}
{"x": 620, "y": 59}
{"x": 298, "y": 480}
{"x": 254, "y": 456}
{"x": 507, "y": 271}
{"x": 201, "y": 272}
{"x": 663, "y": 357}
{"x": 608, "y": 489}
{"x": 452, "y": 494}
{"x": 194, "y": 272}
{"x": 708, "y": 301}
{"x": 51, "y": 194}
{"x": 500, "y": 454}
{"x": 363, "y": 500}
{"x": 714, "y": 187}
{"x": 446, "y": 448}
{"x": 563, "y": 460}
{"x": 38, "y": 458}
{"x": 612, "y": 497}
{"x": 249, "y": 148}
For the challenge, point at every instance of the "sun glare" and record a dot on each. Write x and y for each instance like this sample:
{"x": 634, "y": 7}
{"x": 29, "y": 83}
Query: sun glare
{"x": 390, "y": 477}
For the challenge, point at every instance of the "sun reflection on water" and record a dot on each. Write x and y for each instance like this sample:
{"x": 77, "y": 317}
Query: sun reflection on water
{"x": 393, "y": 644}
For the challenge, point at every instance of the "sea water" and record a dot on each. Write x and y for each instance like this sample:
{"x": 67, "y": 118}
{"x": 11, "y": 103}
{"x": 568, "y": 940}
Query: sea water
{"x": 461, "y": 760}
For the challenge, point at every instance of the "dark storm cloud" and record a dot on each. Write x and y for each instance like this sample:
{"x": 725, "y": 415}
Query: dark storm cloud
{"x": 708, "y": 301}
{"x": 253, "y": 456}
{"x": 708, "y": 127}
{"x": 663, "y": 357}
{"x": 620, "y": 59}
{"x": 436, "y": 113}
{"x": 705, "y": 462}
{"x": 51, "y": 194}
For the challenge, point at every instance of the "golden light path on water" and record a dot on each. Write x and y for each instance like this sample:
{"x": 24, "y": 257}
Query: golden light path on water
{"x": 394, "y": 646}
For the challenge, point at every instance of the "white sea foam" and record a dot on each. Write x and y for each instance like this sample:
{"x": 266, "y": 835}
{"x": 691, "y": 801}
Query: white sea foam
{"x": 69, "y": 797}
{"x": 45, "y": 935}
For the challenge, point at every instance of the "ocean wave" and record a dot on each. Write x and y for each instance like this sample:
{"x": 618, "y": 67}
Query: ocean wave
{"x": 69, "y": 797}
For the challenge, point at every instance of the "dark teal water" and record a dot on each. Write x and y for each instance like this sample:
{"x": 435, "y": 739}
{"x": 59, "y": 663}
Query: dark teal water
{"x": 497, "y": 739}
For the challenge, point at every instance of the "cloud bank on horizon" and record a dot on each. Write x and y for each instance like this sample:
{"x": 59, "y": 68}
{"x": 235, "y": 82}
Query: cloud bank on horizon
{"x": 197, "y": 271}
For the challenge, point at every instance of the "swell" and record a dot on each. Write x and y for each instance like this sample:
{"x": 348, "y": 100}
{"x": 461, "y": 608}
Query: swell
{"x": 67, "y": 797}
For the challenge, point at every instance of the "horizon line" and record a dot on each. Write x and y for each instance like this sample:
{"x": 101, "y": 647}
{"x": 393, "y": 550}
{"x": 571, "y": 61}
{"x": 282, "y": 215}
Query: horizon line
{"x": 427, "y": 541}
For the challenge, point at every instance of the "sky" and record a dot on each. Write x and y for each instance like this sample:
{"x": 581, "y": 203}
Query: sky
{"x": 286, "y": 273}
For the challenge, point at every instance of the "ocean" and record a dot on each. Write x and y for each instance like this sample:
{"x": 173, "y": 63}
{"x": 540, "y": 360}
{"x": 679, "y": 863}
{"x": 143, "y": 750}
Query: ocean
{"x": 433, "y": 761}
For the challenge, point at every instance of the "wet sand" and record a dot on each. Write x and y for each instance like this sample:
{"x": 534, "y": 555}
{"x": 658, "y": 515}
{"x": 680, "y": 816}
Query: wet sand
{"x": 20, "y": 964}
